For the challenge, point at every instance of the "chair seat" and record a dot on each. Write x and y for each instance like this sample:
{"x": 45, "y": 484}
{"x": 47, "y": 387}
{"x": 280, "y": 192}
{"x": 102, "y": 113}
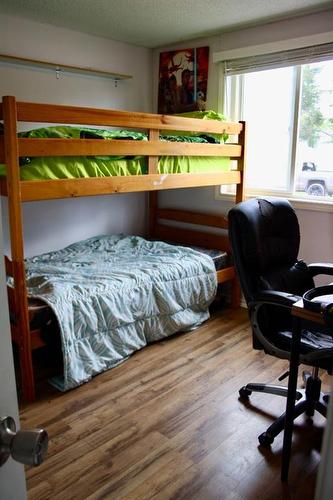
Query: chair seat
{"x": 310, "y": 341}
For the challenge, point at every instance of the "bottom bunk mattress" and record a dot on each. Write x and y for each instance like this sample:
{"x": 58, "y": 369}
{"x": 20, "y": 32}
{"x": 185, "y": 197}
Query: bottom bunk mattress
{"x": 112, "y": 295}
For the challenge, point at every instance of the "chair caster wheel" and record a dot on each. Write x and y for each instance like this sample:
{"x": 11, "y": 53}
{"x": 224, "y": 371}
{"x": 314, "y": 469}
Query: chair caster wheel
{"x": 244, "y": 393}
{"x": 265, "y": 439}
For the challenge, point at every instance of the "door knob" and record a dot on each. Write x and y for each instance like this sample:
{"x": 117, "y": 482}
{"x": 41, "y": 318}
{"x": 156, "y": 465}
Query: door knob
{"x": 26, "y": 447}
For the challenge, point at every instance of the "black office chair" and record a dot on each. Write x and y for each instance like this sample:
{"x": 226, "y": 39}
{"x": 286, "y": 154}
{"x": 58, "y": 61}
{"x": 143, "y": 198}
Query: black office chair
{"x": 265, "y": 240}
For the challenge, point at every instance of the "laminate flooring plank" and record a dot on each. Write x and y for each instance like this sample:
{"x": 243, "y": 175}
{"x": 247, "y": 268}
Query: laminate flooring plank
{"x": 168, "y": 424}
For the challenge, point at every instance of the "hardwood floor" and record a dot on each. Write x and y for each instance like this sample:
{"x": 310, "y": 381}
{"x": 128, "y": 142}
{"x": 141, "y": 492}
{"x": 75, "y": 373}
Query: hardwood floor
{"x": 167, "y": 424}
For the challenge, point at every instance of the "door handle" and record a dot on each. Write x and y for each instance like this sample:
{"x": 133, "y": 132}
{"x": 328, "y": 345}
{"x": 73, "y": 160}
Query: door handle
{"x": 26, "y": 447}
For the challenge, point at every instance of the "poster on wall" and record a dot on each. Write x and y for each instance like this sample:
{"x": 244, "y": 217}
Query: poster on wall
{"x": 183, "y": 76}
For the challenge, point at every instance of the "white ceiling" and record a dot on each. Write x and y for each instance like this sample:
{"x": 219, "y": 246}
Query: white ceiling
{"x": 154, "y": 23}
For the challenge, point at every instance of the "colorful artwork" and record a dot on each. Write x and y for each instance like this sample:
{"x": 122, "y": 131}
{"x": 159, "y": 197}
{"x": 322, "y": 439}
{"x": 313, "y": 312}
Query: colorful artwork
{"x": 183, "y": 80}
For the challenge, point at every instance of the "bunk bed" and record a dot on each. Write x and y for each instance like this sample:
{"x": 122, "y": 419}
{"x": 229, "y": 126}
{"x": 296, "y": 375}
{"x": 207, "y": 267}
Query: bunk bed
{"x": 162, "y": 221}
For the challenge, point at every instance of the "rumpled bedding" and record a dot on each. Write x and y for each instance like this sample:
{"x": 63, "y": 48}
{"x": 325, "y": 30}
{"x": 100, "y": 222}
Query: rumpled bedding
{"x": 112, "y": 295}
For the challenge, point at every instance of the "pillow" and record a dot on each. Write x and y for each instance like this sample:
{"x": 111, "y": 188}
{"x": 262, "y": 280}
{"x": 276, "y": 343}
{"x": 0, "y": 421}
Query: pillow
{"x": 201, "y": 115}
{"x": 204, "y": 115}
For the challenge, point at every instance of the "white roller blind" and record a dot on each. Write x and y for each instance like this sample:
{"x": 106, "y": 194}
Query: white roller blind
{"x": 304, "y": 55}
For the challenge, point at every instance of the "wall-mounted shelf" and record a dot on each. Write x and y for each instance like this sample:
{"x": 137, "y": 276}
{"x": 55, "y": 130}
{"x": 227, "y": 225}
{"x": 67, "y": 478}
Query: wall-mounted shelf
{"x": 62, "y": 68}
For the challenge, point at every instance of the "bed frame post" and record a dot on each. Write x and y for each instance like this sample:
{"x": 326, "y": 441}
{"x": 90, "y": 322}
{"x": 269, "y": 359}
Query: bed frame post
{"x": 240, "y": 196}
{"x": 152, "y": 208}
{"x": 153, "y": 135}
{"x": 22, "y": 330}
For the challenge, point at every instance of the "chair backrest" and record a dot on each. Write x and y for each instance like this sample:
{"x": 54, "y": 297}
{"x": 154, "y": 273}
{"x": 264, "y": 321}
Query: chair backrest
{"x": 265, "y": 238}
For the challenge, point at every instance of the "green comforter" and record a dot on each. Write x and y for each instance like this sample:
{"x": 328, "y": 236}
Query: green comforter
{"x": 112, "y": 295}
{"x": 48, "y": 168}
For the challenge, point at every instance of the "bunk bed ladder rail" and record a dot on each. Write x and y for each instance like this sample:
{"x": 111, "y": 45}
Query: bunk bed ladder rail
{"x": 18, "y": 296}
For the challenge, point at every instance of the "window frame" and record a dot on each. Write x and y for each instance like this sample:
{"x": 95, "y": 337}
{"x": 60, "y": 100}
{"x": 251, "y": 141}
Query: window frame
{"x": 221, "y": 58}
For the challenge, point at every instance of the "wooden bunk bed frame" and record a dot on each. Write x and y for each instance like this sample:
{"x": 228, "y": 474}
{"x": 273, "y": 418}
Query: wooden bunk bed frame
{"x": 12, "y": 148}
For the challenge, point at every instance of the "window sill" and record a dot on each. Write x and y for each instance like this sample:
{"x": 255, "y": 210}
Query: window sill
{"x": 297, "y": 203}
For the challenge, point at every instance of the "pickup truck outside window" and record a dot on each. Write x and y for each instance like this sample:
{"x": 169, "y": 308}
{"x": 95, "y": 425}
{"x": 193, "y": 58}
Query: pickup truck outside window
{"x": 314, "y": 182}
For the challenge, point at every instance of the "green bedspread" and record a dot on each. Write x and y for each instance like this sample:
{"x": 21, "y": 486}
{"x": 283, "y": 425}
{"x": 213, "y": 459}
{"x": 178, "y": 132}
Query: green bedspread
{"x": 47, "y": 168}
{"x": 76, "y": 167}
{"x": 112, "y": 295}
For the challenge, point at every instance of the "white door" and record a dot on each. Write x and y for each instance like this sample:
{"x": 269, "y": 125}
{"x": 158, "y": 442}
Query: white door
{"x": 12, "y": 478}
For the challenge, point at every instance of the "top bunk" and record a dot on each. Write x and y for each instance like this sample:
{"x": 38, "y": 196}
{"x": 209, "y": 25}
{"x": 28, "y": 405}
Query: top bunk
{"x": 14, "y": 147}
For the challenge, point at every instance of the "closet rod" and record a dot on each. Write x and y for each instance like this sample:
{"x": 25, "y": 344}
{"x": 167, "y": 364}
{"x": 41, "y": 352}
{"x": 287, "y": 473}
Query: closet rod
{"x": 65, "y": 68}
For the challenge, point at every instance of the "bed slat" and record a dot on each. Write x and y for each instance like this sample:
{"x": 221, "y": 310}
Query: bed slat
{"x": 189, "y": 237}
{"x": 193, "y": 217}
{"x": 100, "y": 147}
{"x": 94, "y": 186}
{"x": 226, "y": 274}
{"x": 49, "y": 113}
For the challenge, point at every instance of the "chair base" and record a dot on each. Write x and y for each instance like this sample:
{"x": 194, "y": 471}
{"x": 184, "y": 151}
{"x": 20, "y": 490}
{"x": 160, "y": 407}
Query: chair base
{"x": 309, "y": 400}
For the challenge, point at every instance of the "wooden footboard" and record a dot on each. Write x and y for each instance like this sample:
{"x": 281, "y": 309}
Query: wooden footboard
{"x": 163, "y": 225}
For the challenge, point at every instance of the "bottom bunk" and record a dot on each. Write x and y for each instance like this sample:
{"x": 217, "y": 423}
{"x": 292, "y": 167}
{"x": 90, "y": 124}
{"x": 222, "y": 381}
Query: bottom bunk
{"x": 112, "y": 295}
{"x": 168, "y": 291}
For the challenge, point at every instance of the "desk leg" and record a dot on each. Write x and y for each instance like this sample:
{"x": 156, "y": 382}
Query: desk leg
{"x": 292, "y": 386}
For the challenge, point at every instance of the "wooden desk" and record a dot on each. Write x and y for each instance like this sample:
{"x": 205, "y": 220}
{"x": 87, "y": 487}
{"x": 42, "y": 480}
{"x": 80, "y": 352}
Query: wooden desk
{"x": 299, "y": 314}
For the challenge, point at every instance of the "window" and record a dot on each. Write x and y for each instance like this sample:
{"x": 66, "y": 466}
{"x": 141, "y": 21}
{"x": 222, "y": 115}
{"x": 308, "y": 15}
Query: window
{"x": 288, "y": 108}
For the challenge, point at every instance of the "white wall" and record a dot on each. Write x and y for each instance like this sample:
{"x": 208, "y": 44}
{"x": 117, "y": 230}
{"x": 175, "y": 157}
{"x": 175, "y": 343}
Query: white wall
{"x": 316, "y": 227}
{"x": 321, "y": 22}
{"x": 34, "y": 40}
{"x": 54, "y": 224}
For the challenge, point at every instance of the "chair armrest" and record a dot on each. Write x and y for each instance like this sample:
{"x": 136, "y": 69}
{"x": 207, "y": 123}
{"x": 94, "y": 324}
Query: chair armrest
{"x": 276, "y": 298}
{"x": 320, "y": 268}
